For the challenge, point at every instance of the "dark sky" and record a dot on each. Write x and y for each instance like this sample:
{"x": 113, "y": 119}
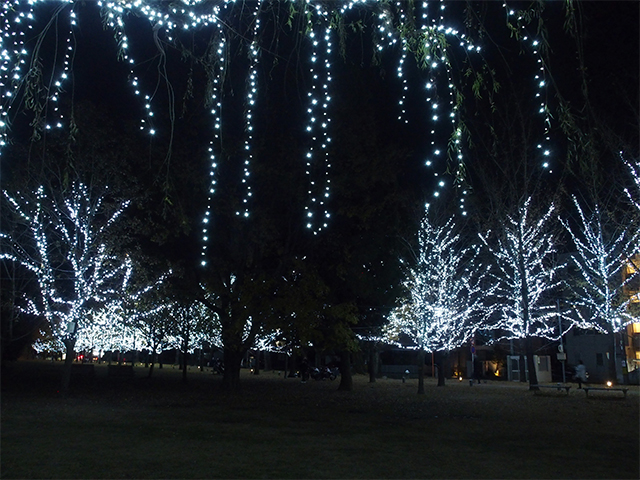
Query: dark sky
{"x": 611, "y": 56}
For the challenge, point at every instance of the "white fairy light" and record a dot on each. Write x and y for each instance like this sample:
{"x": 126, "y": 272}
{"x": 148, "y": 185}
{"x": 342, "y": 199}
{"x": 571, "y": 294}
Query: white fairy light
{"x": 252, "y": 91}
{"x": 213, "y": 145}
{"x": 634, "y": 169}
{"x": 117, "y": 24}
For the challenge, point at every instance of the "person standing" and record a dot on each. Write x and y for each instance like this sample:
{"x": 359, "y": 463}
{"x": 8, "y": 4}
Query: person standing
{"x": 581, "y": 374}
{"x": 304, "y": 370}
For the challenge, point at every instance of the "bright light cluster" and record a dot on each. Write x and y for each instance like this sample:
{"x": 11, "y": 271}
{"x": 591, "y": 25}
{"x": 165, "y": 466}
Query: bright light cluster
{"x": 445, "y": 292}
{"x": 155, "y": 324}
{"x": 66, "y": 254}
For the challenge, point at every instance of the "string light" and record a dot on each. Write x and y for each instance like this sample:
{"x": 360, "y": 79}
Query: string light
{"x": 216, "y": 107}
{"x": 317, "y": 156}
{"x": 634, "y": 169}
{"x": 401, "y": 62}
{"x": 433, "y": 40}
{"x": 443, "y": 104}
{"x": 252, "y": 92}
{"x": 534, "y": 45}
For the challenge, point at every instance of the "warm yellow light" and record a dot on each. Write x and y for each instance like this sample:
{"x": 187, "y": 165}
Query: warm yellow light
{"x": 636, "y": 327}
{"x": 638, "y": 355}
{"x": 609, "y": 383}
{"x": 460, "y": 378}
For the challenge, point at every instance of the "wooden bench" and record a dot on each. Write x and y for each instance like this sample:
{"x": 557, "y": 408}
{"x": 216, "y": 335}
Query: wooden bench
{"x": 558, "y": 387}
{"x": 605, "y": 389}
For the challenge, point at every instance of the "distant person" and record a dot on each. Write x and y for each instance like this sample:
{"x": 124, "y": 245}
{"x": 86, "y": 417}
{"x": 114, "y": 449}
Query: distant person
{"x": 581, "y": 374}
{"x": 304, "y": 370}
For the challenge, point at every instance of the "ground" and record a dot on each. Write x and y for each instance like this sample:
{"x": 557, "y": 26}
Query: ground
{"x": 278, "y": 427}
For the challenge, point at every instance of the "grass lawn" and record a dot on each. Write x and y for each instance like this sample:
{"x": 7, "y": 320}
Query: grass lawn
{"x": 280, "y": 428}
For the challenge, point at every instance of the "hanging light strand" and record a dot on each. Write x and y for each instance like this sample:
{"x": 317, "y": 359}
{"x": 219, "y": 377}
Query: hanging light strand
{"x": 250, "y": 101}
{"x": 318, "y": 156}
{"x": 214, "y": 144}
{"x": 535, "y": 45}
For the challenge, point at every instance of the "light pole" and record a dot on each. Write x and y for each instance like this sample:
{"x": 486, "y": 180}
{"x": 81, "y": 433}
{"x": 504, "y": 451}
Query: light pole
{"x": 562, "y": 356}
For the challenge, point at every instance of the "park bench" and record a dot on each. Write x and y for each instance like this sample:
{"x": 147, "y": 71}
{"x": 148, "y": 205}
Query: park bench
{"x": 604, "y": 389}
{"x": 558, "y": 387}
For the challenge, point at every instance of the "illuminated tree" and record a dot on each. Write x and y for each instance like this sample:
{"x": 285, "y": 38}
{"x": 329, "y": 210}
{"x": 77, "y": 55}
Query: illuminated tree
{"x": 108, "y": 331}
{"x": 62, "y": 243}
{"x": 144, "y": 313}
{"x": 444, "y": 306}
{"x": 152, "y": 325}
{"x": 603, "y": 249}
{"x": 191, "y": 326}
{"x": 524, "y": 276}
